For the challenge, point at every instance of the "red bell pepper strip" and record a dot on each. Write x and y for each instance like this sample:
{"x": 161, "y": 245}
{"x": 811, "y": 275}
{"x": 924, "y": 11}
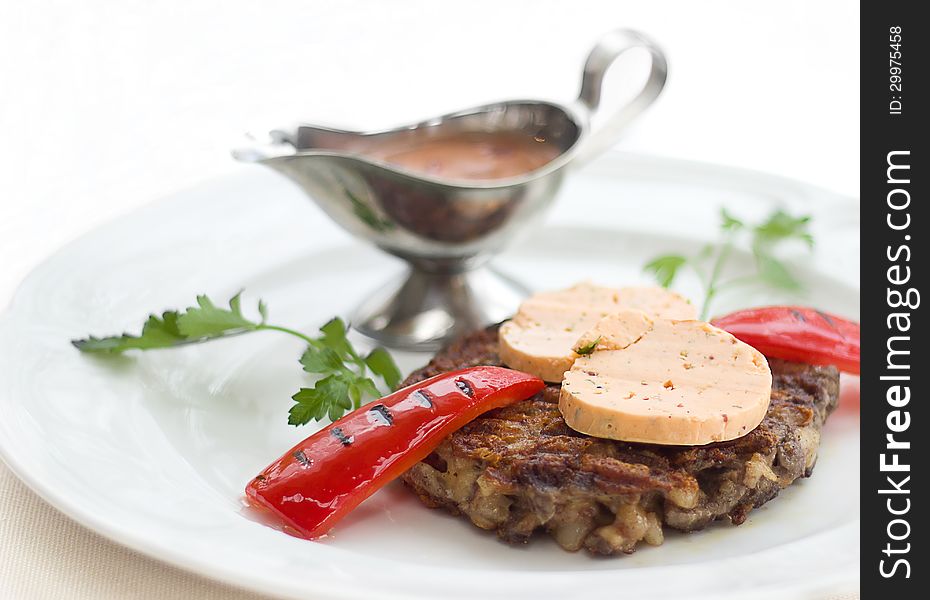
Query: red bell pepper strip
{"x": 798, "y": 334}
{"x": 322, "y": 478}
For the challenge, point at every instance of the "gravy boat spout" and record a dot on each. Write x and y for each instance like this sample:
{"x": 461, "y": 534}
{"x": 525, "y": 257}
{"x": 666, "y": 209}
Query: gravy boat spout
{"x": 389, "y": 188}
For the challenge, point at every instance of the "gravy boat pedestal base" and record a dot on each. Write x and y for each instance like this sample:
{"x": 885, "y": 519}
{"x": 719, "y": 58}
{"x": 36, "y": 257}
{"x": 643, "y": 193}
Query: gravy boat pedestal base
{"x": 427, "y": 309}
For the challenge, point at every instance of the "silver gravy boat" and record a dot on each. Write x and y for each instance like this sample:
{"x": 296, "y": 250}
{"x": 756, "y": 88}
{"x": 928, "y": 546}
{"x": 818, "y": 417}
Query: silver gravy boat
{"x": 444, "y": 229}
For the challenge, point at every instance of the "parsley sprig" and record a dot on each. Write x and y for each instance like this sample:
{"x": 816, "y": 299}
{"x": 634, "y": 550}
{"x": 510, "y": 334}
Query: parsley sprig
{"x": 343, "y": 383}
{"x": 344, "y": 380}
{"x": 710, "y": 263}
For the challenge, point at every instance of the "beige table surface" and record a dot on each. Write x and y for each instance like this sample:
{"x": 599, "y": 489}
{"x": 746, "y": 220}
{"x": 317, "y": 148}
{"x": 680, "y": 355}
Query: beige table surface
{"x": 107, "y": 105}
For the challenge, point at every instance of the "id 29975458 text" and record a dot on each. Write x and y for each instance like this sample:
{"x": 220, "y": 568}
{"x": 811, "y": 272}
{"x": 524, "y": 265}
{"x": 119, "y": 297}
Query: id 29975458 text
{"x": 895, "y": 73}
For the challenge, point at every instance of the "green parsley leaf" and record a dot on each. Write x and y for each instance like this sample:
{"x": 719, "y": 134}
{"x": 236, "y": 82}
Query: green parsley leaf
{"x": 729, "y": 222}
{"x": 355, "y": 394}
{"x": 368, "y": 388}
{"x": 665, "y": 268}
{"x": 206, "y": 320}
{"x": 781, "y": 226}
{"x": 320, "y": 360}
{"x": 334, "y": 337}
{"x": 382, "y": 364}
{"x": 328, "y": 398}
{"x": 308, "y": 407}
{"x": 334, "y": 391}
{"x": 156, "y": 333}
{"x": 588, "y": 348}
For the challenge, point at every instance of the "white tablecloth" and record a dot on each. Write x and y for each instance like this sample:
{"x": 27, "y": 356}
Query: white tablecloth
{"x": 105, "y": 106}
{"x": 46, "y": 555}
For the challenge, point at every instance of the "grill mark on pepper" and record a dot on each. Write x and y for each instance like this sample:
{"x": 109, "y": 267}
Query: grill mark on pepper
{"x": 381, "y": 415}
{"x": 423, "y": 398}
{"x": 830, "y": 322}
{"x": 302, "y": 458}
{"x": 337, "y": 433}
{"x": 798, "y": 316}
{"x": 465, "y": 387}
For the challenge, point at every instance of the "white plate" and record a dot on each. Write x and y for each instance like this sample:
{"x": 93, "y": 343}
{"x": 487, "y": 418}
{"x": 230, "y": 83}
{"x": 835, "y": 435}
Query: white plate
{"x": 153, "y": 450}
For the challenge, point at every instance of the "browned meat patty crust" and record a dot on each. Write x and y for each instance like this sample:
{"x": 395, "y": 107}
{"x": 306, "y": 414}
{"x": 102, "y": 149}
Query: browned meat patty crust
{"x": 520, "y": 468}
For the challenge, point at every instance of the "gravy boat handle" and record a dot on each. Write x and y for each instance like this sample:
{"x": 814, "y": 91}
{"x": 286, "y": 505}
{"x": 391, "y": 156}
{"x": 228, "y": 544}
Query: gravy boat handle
{"x": 602, "y": 55}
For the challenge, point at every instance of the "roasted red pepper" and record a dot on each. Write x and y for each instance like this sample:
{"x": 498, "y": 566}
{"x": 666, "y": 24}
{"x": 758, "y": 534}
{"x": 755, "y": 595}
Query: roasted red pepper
{"x": 321, "y": 479}
{"x": 798, "y": 334}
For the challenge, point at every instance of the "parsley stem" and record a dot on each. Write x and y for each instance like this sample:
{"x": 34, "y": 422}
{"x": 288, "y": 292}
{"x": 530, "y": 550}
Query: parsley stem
{"x": 353, "y": 355}
{"x": 305, "y": 338}
{"x": 711, "y": 288}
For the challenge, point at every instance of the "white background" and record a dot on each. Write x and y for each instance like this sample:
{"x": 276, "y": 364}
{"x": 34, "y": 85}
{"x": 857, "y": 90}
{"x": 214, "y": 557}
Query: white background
{"x": 106, "y": 105}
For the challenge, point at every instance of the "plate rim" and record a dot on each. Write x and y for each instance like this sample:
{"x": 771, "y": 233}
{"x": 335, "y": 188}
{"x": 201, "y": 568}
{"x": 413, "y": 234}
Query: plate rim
{"x": 230, "y": 576}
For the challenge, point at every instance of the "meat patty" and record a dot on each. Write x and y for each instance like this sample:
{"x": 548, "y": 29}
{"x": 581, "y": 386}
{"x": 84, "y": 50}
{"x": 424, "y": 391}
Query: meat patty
{"x": 520, "y": 468}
